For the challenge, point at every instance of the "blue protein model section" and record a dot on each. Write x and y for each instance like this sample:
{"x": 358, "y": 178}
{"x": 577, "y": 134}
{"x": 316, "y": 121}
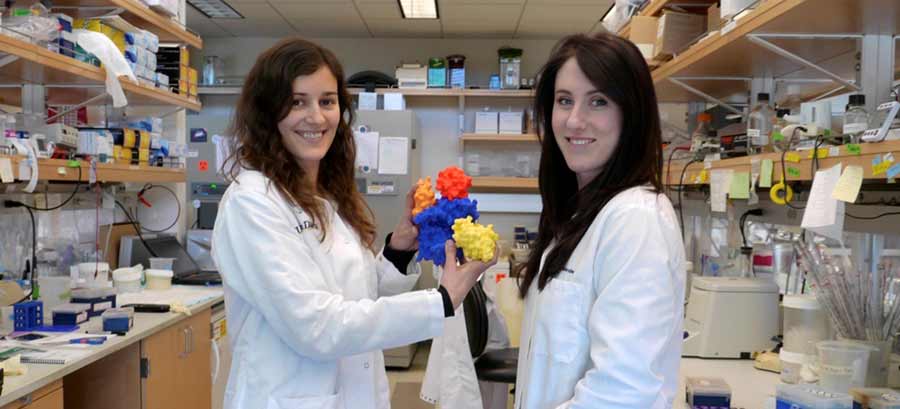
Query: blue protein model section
{"x": 436, "y": 227}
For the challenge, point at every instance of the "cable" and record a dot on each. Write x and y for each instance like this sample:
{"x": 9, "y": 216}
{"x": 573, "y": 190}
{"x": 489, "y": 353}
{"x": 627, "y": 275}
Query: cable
{"x": 680, "y": 192}
{"x": 177, "y": 203}
{"x": 669, "y": 166}
{"x": 137, "y": 228}
{"x": 871, "y": 217}
{"x": 65, "y": 202}
{"x": 743, "y": 221}
{"x": 29, "y": 269}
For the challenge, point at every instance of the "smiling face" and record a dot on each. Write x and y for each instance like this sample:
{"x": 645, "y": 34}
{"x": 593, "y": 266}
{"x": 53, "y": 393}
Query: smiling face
{"x": 586, "y": 124}
{"x": 309, "y": 127}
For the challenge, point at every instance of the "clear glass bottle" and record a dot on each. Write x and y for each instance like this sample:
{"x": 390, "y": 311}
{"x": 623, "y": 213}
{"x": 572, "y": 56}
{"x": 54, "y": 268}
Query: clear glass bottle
{"x": 856, "y": 119}
{"x": 759, "y": 126}
{"x": 780, "y": 141}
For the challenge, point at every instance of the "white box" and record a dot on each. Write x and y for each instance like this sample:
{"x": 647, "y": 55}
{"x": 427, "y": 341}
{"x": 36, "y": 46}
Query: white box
{"x": 486, "y": 122}
{"x": 394, "y": 101}
{"x": 368, "y": 101}
{"x": 731, "y": 7}
{"x": 511, "y": 122}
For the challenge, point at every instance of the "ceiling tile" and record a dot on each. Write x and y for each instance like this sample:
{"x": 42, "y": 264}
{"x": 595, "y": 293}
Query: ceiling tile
{"x": 233, "y": 2}
{"x": 479, "y": 27}
{"x": 442, "y": 3}
{"x": 543, "y": 14}
{"x": 481, "y": 12}
{"x": 343, "y": 28}
{"x": 599, "y": 3}
{"x": 256, "y": 11}
{"x": 404, "y": 28}
{"x": 309, "y": 11}
{"x": 257, "y": 28}
{"x": 380, "y": 10}
{"x": 203, "y": 25}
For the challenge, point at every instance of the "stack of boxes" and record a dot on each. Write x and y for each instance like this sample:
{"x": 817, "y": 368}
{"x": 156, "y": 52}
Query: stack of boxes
{"x": 66, "y": 41}
{"x": 139, "y": 48}
{"x": 175, "y": 63}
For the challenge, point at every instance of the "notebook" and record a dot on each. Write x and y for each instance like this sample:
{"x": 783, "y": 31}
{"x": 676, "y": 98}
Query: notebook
{"x": 56, "y": 356}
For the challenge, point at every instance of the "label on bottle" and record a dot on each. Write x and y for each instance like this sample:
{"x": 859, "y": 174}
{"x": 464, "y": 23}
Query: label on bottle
{"x": 855, "y": 128}
{"x": 757, "y": 138}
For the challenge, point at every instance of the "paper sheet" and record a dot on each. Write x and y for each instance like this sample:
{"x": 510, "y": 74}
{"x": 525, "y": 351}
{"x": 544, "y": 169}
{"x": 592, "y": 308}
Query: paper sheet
{"x": 393, "y": 155}
{"x": 719, "y": 182}
{"x": 366, "y": 151}
{"x": 113, "y": 61}
{"x": 740, "y": 186}
{"x": 825, "y": 214}
{"x": 847, "y": 188}
{"x": 187, "y": 295}
{"x": 368, "y": 101}
{"x": 765, "y": 173}
{"x": 223, "y": 151}
{"x": 6, "y": 172}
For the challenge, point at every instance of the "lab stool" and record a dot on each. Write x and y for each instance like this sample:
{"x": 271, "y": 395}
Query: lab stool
{"x": 492, "y": 366}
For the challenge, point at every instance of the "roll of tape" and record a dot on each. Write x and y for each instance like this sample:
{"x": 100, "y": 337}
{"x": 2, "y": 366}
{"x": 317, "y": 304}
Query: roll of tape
{"x": 781, "y": 193}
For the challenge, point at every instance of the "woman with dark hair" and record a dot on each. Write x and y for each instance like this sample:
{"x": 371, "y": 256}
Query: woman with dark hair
{"x": 604, "y": 286}
{"x": 310, "y": 304}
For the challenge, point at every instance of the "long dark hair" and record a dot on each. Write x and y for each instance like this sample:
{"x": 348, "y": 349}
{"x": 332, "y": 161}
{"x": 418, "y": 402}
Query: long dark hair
{"x": 618, "y": 70}
{"x": 265, "y": 100}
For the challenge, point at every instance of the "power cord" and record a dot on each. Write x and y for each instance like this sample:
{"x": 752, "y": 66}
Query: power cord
{"x": 64, "y": 202}
{"x": 29, "y": 272}
{"x": 137, "y": 228}
{"x": 175, "y": 199}
{"x": 681, "y": 192}
{"x": 743, "y": 221}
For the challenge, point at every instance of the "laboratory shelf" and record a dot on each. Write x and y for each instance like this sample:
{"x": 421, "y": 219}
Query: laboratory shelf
{"x": 501, "y": 184}
{"x": 803, "y": 166}
{"x": 729, "y": 53}
{"x": 34, "y": 64}
{"x": 482, "y": 137}
{"x": 57, "y": 170}
{"x": 141, "y": 16}
{"x": 655, "y": 9}
{"x": 451, "y": 92}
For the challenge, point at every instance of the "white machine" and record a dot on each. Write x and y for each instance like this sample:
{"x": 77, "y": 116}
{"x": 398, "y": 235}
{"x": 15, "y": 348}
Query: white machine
{"x": 412, "y": 76}
{"x": 730, "y": 317}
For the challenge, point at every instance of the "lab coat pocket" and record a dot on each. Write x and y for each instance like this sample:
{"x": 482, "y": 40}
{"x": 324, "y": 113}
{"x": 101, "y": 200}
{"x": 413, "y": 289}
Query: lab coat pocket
{"x": 561, "y": 332}
{"x": 314, "y": 402}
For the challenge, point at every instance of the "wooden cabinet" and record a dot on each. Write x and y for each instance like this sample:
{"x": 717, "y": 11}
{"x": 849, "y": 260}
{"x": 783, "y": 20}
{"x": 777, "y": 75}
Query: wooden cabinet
{"x": 48, "y": 397}
{"x": 177, "y": 366}
{"x": 113, "y": 382}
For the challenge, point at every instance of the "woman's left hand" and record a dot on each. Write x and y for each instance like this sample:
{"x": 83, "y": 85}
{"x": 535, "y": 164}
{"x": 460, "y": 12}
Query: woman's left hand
{"x": 405, "y": 235}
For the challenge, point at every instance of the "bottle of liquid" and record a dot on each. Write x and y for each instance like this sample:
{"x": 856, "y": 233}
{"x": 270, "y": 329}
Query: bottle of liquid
{"x": 759, "y": 127}
{"x": 700, "y": 134}
{"x": 780, "y": 141}
{"x": 856, "y": 119}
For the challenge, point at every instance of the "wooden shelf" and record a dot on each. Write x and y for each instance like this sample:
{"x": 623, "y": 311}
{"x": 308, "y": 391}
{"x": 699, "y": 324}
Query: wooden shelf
{"x": 868, "y": 151}
{"x": 219, "y": 90}
{"x": 481, "y": 137}
{"x": 450, "y": 92}
{"x": 37, "y": 65}
{"x": 500, "y": 184}
{"x": 143, "y": 17}
{"x": 56, "y": 170}
{"x": 656, "y": 7}
{"x": 733, "y": 55}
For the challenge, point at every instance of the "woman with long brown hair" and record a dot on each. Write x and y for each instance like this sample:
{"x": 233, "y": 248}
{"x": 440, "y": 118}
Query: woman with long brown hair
{"x": 604, "y": 286}
{"x": 310, "y": 304}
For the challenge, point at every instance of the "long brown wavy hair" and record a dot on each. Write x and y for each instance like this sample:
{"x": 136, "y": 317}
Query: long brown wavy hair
{"x": 616, "y": 68}
{"x": 265, "y": 100}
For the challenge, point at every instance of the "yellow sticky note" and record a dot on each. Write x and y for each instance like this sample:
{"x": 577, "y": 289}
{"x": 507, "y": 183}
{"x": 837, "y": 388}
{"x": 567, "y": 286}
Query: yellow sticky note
{"x": 704, "y": 176}
{"x": 880, "y": 168}
{"x": 6, "y": 172}
{"x": 821, "y": 153}
{"x": 847, "y": 187}
{"x": 740, "y": 186}
{"x": 792, "y": 157}
{"x": 765, "y": 173}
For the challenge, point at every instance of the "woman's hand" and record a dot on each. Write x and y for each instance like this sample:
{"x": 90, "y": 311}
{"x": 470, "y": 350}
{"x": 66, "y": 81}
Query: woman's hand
{"x": 458, "y": 280}
{"x": 405, "y": 235}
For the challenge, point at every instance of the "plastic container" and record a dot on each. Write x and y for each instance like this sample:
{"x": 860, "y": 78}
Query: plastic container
{"x": 879, "y": 359}
{"x": 759, "y": 126}
{"x": 791, "y": 364}
{"x": 856, "y": 118}
{"x": 805, "y": 324}
{"x": 128, "y": 280}
{"x": 118, "y": 320}
{"x": 707, "y": 392}
{"x": 93, "y": 271}
{"x": 159, "y": 279}
{"x": 70, "y": 314}
{"x": 842, "y": 365}
{"x": 862, "y": 397}
{"x": 99, "y": 299}
{"x": 810, "y": 397}
{"x": 890, "y": 259}
{"x": 161, "y": 263}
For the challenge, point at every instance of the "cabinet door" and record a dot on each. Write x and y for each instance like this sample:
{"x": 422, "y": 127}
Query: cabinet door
{"x": 48, "y": 397}
{"x": 52, "y": 401}
{"x": 159, "y": 390}
{"x": 113, "y": 382}
{"x": 193, "y": 366}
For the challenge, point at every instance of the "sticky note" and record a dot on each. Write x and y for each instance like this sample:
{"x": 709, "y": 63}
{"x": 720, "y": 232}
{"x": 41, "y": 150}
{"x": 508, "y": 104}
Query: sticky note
{"x": 893, "y": 171}
{"x": 704, "y": 176}
{"x": 6, "y": 173}
{"x": 740, "y": 186}
{"x": 880, "y": 168}
{"x": 853, "y": 149}
{"x": 765, "y": 173}
{"x": 821, "y": 153}
{"x": 847, "y": 188}
{"x": 794, "y": 172}
{"x": 61, "y": 171}
{"x": 792, "y": 157}
{"x": 720, "y": 179}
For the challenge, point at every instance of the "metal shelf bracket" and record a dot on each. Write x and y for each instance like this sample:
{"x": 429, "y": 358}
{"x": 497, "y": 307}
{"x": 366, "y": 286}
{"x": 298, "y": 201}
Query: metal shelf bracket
{"x": 761, "y": 40}
{"x": 679, "y": 81}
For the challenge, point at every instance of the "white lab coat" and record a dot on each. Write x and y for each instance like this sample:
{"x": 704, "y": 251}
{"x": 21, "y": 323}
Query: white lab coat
{"x": 305, "y": 319}
{"x": 607, "y": 331}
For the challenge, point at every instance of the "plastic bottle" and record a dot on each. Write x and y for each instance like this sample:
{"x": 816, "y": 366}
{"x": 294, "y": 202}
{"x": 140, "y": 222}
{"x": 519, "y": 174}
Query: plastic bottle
{"x": 700, "y": 134}
{"x": 856, "y": 119}
{"x": 780, "y": 141}
{"x": 759, "y": 127}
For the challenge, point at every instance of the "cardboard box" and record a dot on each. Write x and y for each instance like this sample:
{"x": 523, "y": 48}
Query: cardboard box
{"x": 486, "y": 122}
{"x": 643, "y": 34}
{"x": 733, "y": 7}
{"x": 676, "y": 31}
{"x": 713, "y": 18}
{"x": 511, "y": 122}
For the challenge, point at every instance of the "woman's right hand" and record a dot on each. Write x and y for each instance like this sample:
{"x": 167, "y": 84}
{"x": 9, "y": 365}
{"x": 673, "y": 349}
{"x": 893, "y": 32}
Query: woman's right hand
{"x": 458, "y": 280}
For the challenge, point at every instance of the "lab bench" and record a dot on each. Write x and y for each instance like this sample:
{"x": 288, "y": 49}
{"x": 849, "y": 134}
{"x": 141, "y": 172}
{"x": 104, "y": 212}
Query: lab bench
{"x": 750, "y": 387}
{"x": 162, "y": 362}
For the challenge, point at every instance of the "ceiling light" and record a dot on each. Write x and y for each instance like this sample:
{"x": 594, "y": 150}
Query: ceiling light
{"x": 423, "y": 9}
{"x": 215, "y": 8}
